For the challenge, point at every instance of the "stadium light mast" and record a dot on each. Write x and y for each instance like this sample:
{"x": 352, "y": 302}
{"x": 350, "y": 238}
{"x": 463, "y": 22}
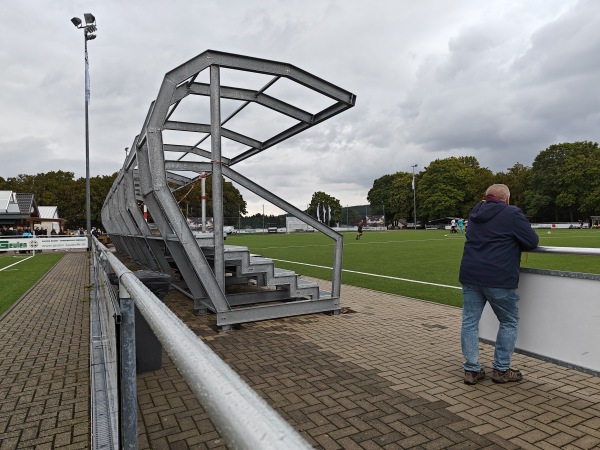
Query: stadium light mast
{"x": 414, "y": 197}
{"x": 88, "y": 34}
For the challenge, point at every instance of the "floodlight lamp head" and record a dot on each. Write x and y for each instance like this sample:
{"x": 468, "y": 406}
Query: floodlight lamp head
{"x": 90, "y": 37}
{"x": 89, "y": 19}
{"x": 91, "y": 28}
{"x": 76, "y": 21}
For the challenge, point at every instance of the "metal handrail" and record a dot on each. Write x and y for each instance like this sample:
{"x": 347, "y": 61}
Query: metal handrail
{"x": 568, "y": 250}
{"x": 242, "y": 417}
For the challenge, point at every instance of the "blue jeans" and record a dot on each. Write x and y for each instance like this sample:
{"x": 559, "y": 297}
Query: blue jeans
{"x": 505, "y": 304}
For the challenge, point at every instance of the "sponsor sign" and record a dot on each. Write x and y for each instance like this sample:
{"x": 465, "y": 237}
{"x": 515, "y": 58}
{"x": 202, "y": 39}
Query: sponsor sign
{"x": 49, "y": 243}
{"x": 375, "y": 221}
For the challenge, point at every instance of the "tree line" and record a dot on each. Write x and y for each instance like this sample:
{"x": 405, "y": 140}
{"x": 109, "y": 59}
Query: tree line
{"x": 563, "y": 184}
{"x": 63, "y": 190}
{"x": 67, "y": 193}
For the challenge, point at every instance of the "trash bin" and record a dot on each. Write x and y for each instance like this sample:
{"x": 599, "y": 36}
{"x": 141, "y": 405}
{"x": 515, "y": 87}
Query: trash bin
{"x": 148, "y": 349}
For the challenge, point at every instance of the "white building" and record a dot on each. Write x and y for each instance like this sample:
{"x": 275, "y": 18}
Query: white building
{"x": 47, "y": 213}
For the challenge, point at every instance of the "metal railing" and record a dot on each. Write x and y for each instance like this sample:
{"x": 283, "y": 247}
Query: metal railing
{"x": 568, "y": 250}
{"x": 243, "y": 419}
{"x": 559, "y": 315}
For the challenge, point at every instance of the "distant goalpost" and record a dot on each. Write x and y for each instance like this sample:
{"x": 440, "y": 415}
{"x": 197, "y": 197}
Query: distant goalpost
{"x": 293, "y": 224}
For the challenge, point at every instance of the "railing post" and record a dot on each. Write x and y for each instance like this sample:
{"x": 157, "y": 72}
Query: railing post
{"x": 128, "y": 369}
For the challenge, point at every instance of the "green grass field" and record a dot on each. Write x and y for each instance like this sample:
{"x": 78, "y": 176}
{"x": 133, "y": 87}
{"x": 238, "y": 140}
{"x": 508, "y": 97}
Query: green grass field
{"x": 16, "y": 279}
{"x": 431, "y": 256}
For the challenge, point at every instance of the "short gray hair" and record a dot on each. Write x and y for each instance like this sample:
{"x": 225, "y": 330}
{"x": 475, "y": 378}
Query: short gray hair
{"x": 498, "y": 190}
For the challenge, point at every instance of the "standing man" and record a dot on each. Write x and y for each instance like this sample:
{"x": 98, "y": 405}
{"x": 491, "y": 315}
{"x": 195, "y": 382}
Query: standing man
{"x": 489, "y": 272}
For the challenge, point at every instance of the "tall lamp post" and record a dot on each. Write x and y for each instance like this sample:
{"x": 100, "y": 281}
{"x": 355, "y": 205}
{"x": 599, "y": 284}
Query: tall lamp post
{"x": 414, "y": 197}
{"x": 88, "y": 34}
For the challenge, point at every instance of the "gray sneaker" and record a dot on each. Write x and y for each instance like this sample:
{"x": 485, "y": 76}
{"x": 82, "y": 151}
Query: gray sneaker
{"x": 506, "y": 376}
{"x": 473, "y": 377}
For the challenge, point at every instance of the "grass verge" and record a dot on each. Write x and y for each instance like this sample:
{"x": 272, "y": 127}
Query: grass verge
{"x": 20, "y": 273}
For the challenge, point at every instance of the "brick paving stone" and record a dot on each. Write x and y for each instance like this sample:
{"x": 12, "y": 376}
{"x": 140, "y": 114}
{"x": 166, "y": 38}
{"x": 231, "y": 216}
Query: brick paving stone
{"x": 45, "y": 359}
{"x": 560, "y": 439}
{"x": 586, "y": 442}
{"x": 387, "y": 376}
{"x": 544, "y": 445}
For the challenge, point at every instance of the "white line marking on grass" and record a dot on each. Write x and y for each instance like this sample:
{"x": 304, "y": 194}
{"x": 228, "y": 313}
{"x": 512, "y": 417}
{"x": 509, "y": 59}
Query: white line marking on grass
{"x": 370, "y": 274}
{"x": 4, "y": 268}
{"x": 294, "y": 246}
{"x": 352, "y": 243}
{"x": 563, "y": 236}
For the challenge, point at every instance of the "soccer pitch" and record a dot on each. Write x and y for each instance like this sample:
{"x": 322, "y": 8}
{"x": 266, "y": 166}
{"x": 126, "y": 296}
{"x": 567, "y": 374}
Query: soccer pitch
{"x": 422, "y": 264}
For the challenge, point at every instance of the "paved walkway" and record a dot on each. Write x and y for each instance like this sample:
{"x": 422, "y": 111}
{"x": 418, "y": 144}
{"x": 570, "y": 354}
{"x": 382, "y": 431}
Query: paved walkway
{"x": 385, "y": 374}
{"x": 44, "y": 362}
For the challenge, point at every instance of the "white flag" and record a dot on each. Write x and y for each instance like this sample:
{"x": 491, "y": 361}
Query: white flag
{"x": 87, "y": 78}
{"x": 324, "y": 214}
{"x": 329, "y": 211}
{"x": 413, "y": 183}
{"x": 319, "y": 212}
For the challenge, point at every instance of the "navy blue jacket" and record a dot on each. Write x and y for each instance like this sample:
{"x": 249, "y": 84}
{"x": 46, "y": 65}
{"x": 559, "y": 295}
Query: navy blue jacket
{"x": 496, "y": 235}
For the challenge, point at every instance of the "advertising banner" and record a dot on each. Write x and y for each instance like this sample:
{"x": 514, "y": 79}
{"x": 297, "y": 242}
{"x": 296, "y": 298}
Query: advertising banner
{"x": 47, "y": 243}
{"x": 375, "y": 221}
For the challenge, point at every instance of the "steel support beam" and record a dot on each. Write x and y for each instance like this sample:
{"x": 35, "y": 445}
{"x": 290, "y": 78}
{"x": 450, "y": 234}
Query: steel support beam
{"x": 153, "y": 166}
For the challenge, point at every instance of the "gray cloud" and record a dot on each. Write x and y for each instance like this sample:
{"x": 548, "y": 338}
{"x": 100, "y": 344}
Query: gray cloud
{"x": 499, "y": 80}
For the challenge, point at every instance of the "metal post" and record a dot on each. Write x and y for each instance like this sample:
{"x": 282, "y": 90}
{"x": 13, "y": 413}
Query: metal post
{"x": 88, "y": 34}
{"x": 217, "y": 174}
{"x": 88, "y": 213}
{"x": 414, "y": 198}
{"x": 128, "y": 368}
{"x": 203, "y": 188}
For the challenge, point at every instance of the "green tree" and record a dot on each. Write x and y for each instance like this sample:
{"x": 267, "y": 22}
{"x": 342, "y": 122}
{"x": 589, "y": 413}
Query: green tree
{"x": 99, "y": 188}
{"x": 189, "y": 199}
{"x": 58, "y": 189}
{"x": 451, "y": 186}
{"x": 351, "y": 215}
{"x": 564, "y": 182}
{"x": 579, "y": 178}
{"x": 403, "y": 197}
{"x": 517, "y": 180}
{"x": 323, "y": 200}
{"x": 381, "y": 194}
{"x": 394, "y": 192}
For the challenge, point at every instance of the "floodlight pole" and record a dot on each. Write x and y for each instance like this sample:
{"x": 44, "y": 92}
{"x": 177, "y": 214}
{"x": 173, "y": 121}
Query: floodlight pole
{"x": 414, "y": 197}
{"x": 88, "y": 34}
{"x": 88, "y": 208}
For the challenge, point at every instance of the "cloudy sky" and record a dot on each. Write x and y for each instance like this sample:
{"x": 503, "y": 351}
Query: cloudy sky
{"x": 499, "y": 79}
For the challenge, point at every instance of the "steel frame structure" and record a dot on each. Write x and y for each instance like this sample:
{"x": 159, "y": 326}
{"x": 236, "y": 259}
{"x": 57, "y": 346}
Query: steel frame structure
{"x": 149, "y": 171}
